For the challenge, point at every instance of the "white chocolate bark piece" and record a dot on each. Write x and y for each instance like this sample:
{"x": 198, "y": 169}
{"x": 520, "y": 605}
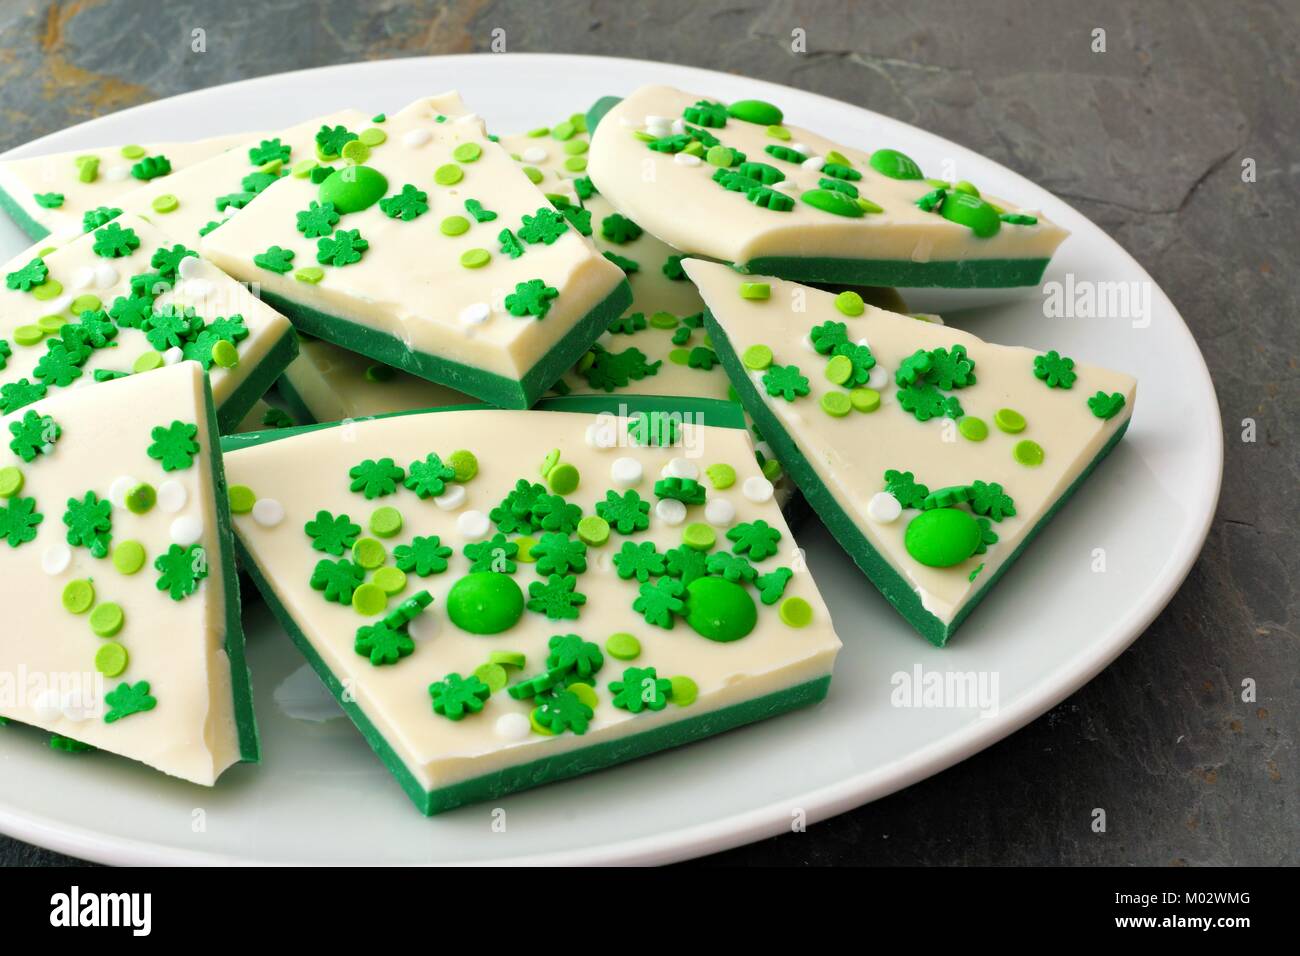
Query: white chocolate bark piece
{"x": 843, "y": 399}
{"x": 819, "y": 210}
{"x": 127, "y": 298}
{"x": 326, "y": 383}
{"x": 121, "y": 605}
{"x": 50, "y": 195}
{"x": 420, "y": 274}
{"x": 543, "y": 556}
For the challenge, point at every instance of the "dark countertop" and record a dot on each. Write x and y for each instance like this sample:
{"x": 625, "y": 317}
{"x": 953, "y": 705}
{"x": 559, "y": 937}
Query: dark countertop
{"x": 1147, "y": 139}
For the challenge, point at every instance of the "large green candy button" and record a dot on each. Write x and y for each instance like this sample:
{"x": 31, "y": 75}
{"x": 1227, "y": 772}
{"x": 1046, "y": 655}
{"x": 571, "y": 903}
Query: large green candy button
{"x": 971, "y": 211}
{"x": 721, "y": 610}
{"x": 828, "y": 200}
{"x": 756, "y": 111}
{"x": 895, "y": 165}
{"x": 485, "y": 602}
{"x": 354, "y": 188}
{"x": 942, "y": 538}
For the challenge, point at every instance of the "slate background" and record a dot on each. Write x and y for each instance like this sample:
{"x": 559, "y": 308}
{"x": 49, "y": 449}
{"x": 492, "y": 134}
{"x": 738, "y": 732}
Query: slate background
{"x": 1147, "y": 139}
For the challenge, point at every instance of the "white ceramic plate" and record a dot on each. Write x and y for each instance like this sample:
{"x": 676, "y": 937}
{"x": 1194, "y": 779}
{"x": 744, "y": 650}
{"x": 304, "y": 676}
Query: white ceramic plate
{"x": 321, "y": 796}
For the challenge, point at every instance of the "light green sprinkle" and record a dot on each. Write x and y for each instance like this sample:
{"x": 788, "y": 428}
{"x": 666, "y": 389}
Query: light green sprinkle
{"x": 85, "y": 303}
{"x": 147, "y": 361}
{"x": 699, "y": 536}
{"x": 722, "y": 475}
{"x": 475, "y": 258}
{"x": 386, "y": 521}
{"x": 1009, "y": 420}
{"x": 623, "y": 646}
{"x": 78, "y": 596}
{"x": 755, "y": 290}
{"x": 778, "y": 132}
{"x": 111, "y": 659}
{"x": 464, "y": 463}
{"x": 836, "y": 404}
{"x": 1028, "y": 453}
{"x": 839, "y": 369}
{"x": 29, "y": 334}
{"x": 972, "y": 428}
{"x": 467, "y": 152}
{"x": 369, "y": 553}
{"x": 49, "y": 289}
{"x": 224, "y": 354}
{"x": 372, "y": 136}
{"x": 563, "y": 479}
{"x": 107, "y": 619}
{"x": 593, "y": 530}
{"x": 11, "y": 481}
{"x": 165, "y": 203}
{"x": 311, "y": 275}
{"x": 48, "y": 324}
{"x": 494, "y": 675}
{"x": 141, "y": 498}
{"x": 865, "y": 399}
{"x": 534, "y": 174}
{"x": 850, "y": 303}
{"x": 575, "y": 164}
{"x": 242, "y": 499}
{"x": 369, "y": 599}
{"x": 515, "y": 659}
{"x": 448, "y": 175}
{"x": 132, "y": 151}
{"x": 680, "y": 356}
{"x": 526, "y": 543}
{"x": 454, "y": 226}
{"x": 128, "y": 556}
{"x": 355, "y": 151}
{"x": 663, "y": 320}
{"x": 390, "y": 580}
{"x": 796, "y": 612}
{"x": 302, "y": 169}
{"x": 684, "y": 690}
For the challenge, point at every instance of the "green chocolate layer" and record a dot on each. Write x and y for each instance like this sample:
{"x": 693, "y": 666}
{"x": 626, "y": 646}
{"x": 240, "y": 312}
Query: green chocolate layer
{"x": 239, "y": 402}
{"x": 30, "y": 227}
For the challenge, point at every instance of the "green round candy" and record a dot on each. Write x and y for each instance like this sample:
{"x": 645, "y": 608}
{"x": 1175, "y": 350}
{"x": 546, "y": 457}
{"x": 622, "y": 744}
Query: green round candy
{"x": 111, "y": 659}
{"x": 1028, "y": 453}
{"x": 564, "y": 130}
{"x": 976, "y": 214}
{"x": 623, "y": 646}
{"x": 389, "y": 580}
{"x": 679, "y": 356}
{"x": 369, "y": 599}
{"x": 372, "y": 136}
{"x": 942, "y": 537}
{"x": 484, "y": 602}
{"x": 464, "y": 463}
{"x": 575, "y": 147}
{"x": 369, "y": 553}
{"x": 128, "y": 556}
{"x": 355, "y": 151}
{"x": 864, "y": 399}
{"x": 132, "y": 151}
{"x": 756, "y": 111}
{"x": 538, "y": 726}
{"x": 454, "y": 226}
{"x": 386, "y": 521}
{"x": 836, "y": 404}
{"x": 534, "y": 174}
{"x": 771, "y": 470}
{"x": 448, "y": 175}
{"x": 353, "y": 188}
{"x": 684, "y": 690}
{"x": 107, "y": 619}
{"x": 11, "y": 481}
{"x": 475, "y": 258}
{"x": 310, "y": 275}
{"x": 778, "y": 132}
{"x": 515, "y": 659}
{"x": 757, "y": 357}
{"x": 48, "y": 324}
{"x": 165, "y": 203}
{"x": 141, "y": 499}
{"x": 663, "y": 320}
{"x": 699, "y": 536}
{"x": 78, "y": 596}
{"x": 302, "y": 169}
{"x": 526, "y": 543}
{"x": 796, "y": 612}
{"x": 839, "y": 369}
{"x": 575, "y": 164}
{"x": 962, "y": 186}
{"x": 895, "y": 165}
{"x": 720, "y": 609}
{"x": 550, "y": 461}
{"x": 850, "y": 303}
{"x": 585, "y": 693}
{"x": 147, "y": 362}
{"x": 719, "y": 156}
{"x": 467, "y": 152}
{"x": 49, "y": 289}
{"x": 757, "y": 291}
{"x": 224, "y": 354}
{"x": 28, "y": 334}
{"x": 593, "y": 530}
{"x": 972, "y": 428}
{"x": 1009, "y": 420}
{"x": 85, "y": 303}
{"x": 722, "y": 475}
{"x": 494, "y": 675}
{"x": 828, "y": 200}
{"x": 380, "y": 373}
{"x": 242, "y": 499}
{"x": 563, "y": 479}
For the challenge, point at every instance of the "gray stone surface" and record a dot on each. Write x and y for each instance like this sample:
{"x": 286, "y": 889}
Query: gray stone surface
{"x": 1146, "y": 138}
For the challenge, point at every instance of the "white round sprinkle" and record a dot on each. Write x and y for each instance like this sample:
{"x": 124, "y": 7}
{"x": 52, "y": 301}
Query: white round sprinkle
{"x": 173, "y": 355}
{"x": 686, "y": 159}
{"x": 625, "y": 472}
{"x": 452, "y": 497}
{"x": 512, "y": 726}
{"x": 807, "y": 343}
{"x": 117, "y": 173}
{"x": 191, "y": 267}
{"x": 786, "y": 186}
{"x": 757, "y": 489}
{"x": 878, "y": 378}
{"x": 813, "y": 163}
{"x": 56, "y": 558}
{"x": 720, "y": 512}
{"x": 83, "y": 278}
{"x": 47, "y": 705}
{"x": 117, "y": 491}
{"x": 670, "y": 511}
{"x": 472, "y": 524}
{"x": 800, "y": 148}
{"x": 679, "y": 126}
{"x": 186, "y": 530}
{"x": 681, "y": 468}
{"x": 652, "y": 119}
{"x": 883, "y": 508}
{"x": 172, "y": 496}
{"x": 73, "y": 707}
{"x": 416, "y": 137}
{"x": 601, "y": 435}
{"x": 475, "y": 313}
{"x": 534, "y": 154}
{"x": 268, "y": 512}
{"x": 106, "y": 276}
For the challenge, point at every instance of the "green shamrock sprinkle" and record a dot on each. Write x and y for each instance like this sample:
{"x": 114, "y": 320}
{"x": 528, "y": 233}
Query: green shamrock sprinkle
{"x": 181, "y": 569}
{"x": 268, "y": 151}
{"x": 14, "y": 395}
{"x": 174, "y": 446}
{"x": 561, "y": 711}
{"x": 318, "y": 219}
{"x": 423, "y": 556}
{"x": 531, "y": 298}
{"x": 342, "y": 249}
{"x": 578, "y": 218}
{"x": 829, "y": 336}
{"x": 495, "y": 554}
{"x": 639, "y": 560}
{"x": 628, "y": 266}
{"x": 989, "y": 499}
{"x": 730, "y": 566}
{"x": 785, "y": 381}
{"x": 626, "y": 513}
{"x": 90, "y": 523}
{"x": 338, "y": 579}
{"x": 409, "y": 204}
{"x": 374, "y": 479}
{"x": 924, "y": 401}
{"x": 557, "y": 597}
{"x": 619, "y": 229}
{"x": 612, "y": 370}
{"x": 383, "y": 643}
{"x": 114, "y": 242}
{"x": 570, "y": 654}
{"x": 151, "y": 167}
{"x": 510, "y": 245}
{"x": 556, "y": 553}
{"x": 657, "y": 602}
{"x": 772, "y": 585}
{"x": 514, "y": 515}
{"x": 686, "y": 564}
{"x": 544, "y": 226}
{"x": 126, "y": 699}
{"x": 33, "y": 435}
{"x": 475, "y": 209}
{"x": 170, "y": 326}
{"x": 330, "y": 141}
{"x": 428, "y": 478}
{"x": 641, "y": 688}
{"x": 94, "y": 218}
{"x": 29, "y": 276}
{"x": 275, "y": 259}
{"x": 18, "y": 521}
{"x": 904, "y": 486}
{"x": 1106, "y": 406}
{"x": 672, "y": 268}
{"x": 1055, "y": 370}
{"x": 48, "y": 200}
{"x": 757, "y": 539}
{"x": 455, "y": 696}
{"x": 330, "y": 534}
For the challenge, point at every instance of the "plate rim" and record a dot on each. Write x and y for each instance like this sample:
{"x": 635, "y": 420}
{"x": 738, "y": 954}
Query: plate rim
{"x": 770, "y": 819}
